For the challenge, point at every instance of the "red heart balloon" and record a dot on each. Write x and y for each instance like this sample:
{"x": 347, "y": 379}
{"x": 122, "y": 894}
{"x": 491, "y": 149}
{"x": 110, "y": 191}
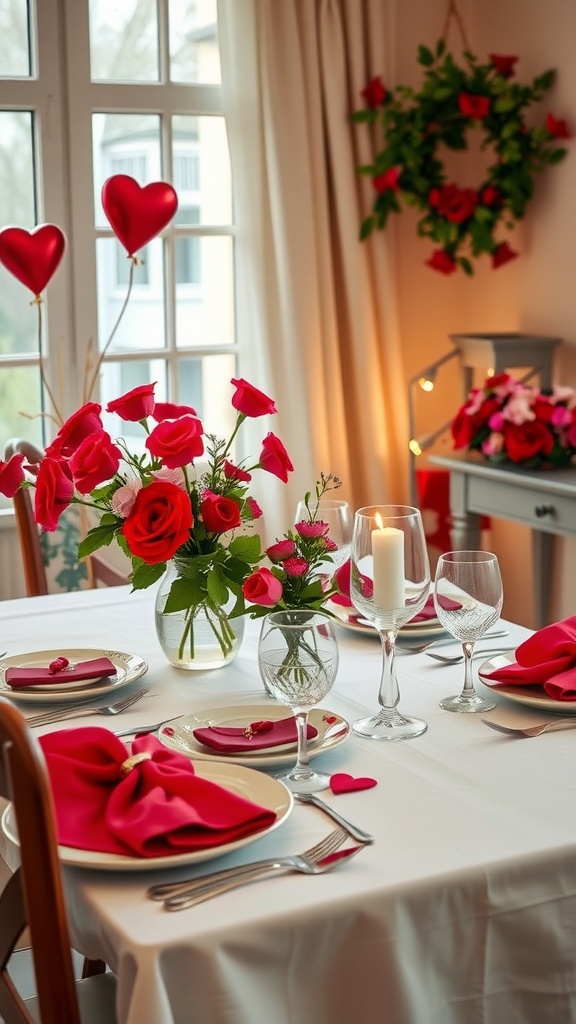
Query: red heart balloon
{"x": 342, "y": 783}
{"x": 137, "y": 214}
{"x": 32, "y": 256}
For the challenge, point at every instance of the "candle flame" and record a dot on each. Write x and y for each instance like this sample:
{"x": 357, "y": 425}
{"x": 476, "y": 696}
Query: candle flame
{"x": 379, "y": 521}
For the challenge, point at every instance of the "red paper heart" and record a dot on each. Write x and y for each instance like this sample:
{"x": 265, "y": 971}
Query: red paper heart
{"x": 32, "y": 256}
{"x": 137, "y": 214}
{"x": 342, "y": 783}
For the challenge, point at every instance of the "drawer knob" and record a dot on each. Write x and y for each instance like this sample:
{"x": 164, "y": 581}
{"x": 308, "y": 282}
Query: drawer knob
{"x": 544, "y": 510}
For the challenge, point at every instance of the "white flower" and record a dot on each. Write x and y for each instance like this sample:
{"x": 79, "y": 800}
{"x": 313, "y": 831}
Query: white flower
{"x": 517, "y": 410}
{"x": 123, "y": 499}
{"x": 171, "y": 476}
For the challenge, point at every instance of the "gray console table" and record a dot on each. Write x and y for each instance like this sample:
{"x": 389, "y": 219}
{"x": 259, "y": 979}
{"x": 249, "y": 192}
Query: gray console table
{"x": 545, "y": 501}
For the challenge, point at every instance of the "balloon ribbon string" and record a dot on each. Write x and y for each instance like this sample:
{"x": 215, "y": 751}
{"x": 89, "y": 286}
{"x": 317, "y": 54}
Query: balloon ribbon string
{"x": 89, "y": 388}
{"x": 37, "y": 301}
{"x": 453, "y": 12}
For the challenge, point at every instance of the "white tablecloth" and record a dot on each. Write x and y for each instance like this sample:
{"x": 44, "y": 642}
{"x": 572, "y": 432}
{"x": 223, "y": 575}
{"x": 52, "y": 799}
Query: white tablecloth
{"x": 463, "y": 911}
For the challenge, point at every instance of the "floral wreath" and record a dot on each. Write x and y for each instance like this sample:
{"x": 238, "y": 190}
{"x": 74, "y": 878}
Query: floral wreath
{"x": 408, "y": 168}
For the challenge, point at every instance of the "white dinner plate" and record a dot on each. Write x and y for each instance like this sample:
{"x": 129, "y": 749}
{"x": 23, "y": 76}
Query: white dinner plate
{"x": 332, "y": 730}
{"x": 261, "y": 789}
{"x": 128, "y": 668}
{"x": 428, "y": 630}
{"x": 531, "y": 696}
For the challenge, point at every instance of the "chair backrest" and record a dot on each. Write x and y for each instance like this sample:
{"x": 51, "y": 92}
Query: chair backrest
{"x": 99, "y": 569}
{"x": 34, "y": 895}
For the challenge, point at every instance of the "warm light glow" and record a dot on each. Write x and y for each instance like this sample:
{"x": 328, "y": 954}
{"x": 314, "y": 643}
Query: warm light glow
{"x": 414, "y": 447}
{"x": 426, "y": 383}
{"x": 490, "y": 371}
{"x": 379, "y": 521}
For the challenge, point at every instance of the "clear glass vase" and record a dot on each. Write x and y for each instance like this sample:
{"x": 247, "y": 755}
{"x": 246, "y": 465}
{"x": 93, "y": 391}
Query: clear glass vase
{"x": 198, "y": 637}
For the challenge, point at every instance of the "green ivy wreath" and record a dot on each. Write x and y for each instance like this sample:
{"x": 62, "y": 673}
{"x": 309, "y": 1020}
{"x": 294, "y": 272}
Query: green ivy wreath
{"x": 409, "y": 169}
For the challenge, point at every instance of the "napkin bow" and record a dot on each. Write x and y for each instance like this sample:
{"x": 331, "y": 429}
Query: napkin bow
{"x": 146, "y": 802}
{"x": 257, "y": 736}
{"x": 96, "y": 668}
{"x": 547, "y": 658}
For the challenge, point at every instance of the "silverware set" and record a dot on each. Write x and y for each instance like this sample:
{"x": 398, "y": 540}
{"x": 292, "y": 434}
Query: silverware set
{"x": 79, "y": 710}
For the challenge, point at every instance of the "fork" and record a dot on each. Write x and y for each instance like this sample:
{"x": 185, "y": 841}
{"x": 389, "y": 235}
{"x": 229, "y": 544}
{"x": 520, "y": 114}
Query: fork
{"x": 78, "y": 711}
{"x": 453, "y": 659}
{"x": 405, "y": 647}
{"x": 531, "y": 730}
{"x": 295, "y": 862}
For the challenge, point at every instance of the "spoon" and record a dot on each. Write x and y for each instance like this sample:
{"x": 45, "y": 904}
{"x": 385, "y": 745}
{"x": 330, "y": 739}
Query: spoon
{"x": 407, "y": 648}
{"x": 453, "y": 659}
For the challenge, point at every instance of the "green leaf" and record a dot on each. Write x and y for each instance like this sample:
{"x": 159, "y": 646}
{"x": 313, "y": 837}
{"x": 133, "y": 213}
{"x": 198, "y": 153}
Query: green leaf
{"x": 545, "y": 80}
{"x": 440, "y": 47}
{"x": 217, "y": 589}
{"x": 425, "y": 56}
{"x": 145, "y": 575}
{"x": 367, "y": 227}
{"x": 184, "y": 593}
{"x": 247, "y": 547}
{"x": 466, "y": 266}
{"x": 98, "y": 537}
{"x": 556, "y": 156}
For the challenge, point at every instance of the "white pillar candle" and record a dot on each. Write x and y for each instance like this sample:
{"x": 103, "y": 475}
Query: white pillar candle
{"x": 388, "y": 559}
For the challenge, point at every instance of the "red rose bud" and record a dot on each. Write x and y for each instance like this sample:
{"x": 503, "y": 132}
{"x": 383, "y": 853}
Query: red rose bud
{"x": 232, "y": 472}
{"x": 502, "y": 254}
{"x": 281, "y": 550}
{"x": 135, "y": 405}
{"x": 249, "y": 401}
{"x": 387, "y": 180}
{"x": 441, "y": 261}
{"x": 475, "y": 107}
{"x": 490, "y": 196}
{"x": 274, "y": 458}
{"x": 11, "y": 475}
{"x": 557, "y": 128}
{"x": 54, "y": 491}
{"x": 374, "y": 92}
{"x": 79, "y": 425}
{"x": 503, "y": 64}
{"x": 219, "y": 514}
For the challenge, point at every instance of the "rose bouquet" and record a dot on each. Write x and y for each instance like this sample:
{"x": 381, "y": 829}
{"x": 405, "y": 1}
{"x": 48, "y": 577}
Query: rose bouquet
{"x": 161, "y": 506}
{"x": 508, "y": 421}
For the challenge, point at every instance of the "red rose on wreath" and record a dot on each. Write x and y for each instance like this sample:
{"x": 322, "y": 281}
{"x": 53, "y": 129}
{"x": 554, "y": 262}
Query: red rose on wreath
{"x": 454, "y": 203}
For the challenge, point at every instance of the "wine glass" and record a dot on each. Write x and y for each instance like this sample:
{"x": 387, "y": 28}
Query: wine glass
{"x": 470, "y": 580}
{"x": 389, "y": 584}
{"x": 298, "y": 660}
{"x": 339, "y": 518}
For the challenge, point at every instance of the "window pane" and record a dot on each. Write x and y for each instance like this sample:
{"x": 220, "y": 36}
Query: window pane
{"x": 14, "y": 39}
{"x": 205, "y": 385}
{"x": 18, "y": 320}
{"x": 124, "y": 144}
{"x": 143, "y": 324}
{"x": 205, "y": 308}
{"x": 20, "y": 398}
{"x": 202, "y": 169}
{"x": 194, "y": 53}
{"x": 124, "y": 41}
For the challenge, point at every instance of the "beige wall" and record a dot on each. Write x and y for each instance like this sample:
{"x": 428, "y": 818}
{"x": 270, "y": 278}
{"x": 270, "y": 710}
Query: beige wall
{"x": 535, "y": 293}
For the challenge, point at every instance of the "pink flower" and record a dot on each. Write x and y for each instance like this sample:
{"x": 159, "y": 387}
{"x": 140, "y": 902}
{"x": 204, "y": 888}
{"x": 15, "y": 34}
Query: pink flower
{"x": 232, "y": 472}
{"x": 493, "y": 444}
{"x": 11, "y": 475}
{"x": 496, "y": 421}
{"x": 518, "y": 409}
{"x": 135, "y": 405}
{"x": 331, "y": 545}
{"x": 254, "y": 508}
{"x": 171, "y": 476}
{"x": 307, "y": 529}
{"x": 281, "y": 550}
{"x": 561, "y": 417}
{"x": 296, "y": 566}
{"x": 263, "y": 588}
{"x": 123, "y": 499}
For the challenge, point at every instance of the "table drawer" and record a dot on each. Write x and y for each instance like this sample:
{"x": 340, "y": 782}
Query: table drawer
{"x": 530, "y": 505}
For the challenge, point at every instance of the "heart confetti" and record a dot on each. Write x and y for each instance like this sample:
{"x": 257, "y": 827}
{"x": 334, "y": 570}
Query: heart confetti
{"x": 342, "y": 783}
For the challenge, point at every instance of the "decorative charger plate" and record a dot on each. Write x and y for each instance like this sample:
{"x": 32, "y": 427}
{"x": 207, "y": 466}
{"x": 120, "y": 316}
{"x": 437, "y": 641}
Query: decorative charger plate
{"x": 179, "y": 734}
{"x": 261, "y": 789}
{"x": 531, "y": 696}
{"x": 128, "y": 668}
{"x": 429, "y": 629}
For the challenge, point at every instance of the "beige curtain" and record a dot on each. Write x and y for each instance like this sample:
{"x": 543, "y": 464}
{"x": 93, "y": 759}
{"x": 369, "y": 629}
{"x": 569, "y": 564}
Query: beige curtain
{"x": 316, "y": 307}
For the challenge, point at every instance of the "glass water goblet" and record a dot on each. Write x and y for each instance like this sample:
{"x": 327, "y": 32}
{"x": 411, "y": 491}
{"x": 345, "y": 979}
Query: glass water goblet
{"x": 298, "y": 660}
{"x": 472, "y": 581}
{"x": 339, "y": 518}
{"x": 389, "y": 584}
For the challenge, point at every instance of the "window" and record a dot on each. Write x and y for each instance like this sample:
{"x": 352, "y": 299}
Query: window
{"x": 142, "y": 98}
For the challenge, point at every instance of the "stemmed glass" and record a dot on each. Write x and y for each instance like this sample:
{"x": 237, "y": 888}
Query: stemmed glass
{"x": 471, "y": 579}
{"x": 389, "y": 584}
{"x": 298, "y": 659}
{"x": 339, "y": 518}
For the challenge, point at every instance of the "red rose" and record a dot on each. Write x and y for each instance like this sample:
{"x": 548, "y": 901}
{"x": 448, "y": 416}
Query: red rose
{"x": 54, "y": 491}
{"x": 159, "y": 522}
{"x": 342, "y": 579}
{"x": 81, "y": 424}
{"x": 263, "y": 588}
{"x": 274, "y": 458}
{"x": 502, "y": 254}
{"x": 455, "y": 203}
{"x": 388, "y": 180}
{"x": 232, "y": 472}
{"x": 254, "y": 508}
{"x": 171, "y": 411}
{"x": 176, "y": 442}
{"x": 475, "y": 107}
{"x": 490, "y": 196}
{"x": 249, "y": 401}
{"x": 11, "y": 475}
{"x": 442, "y": 261}
{"x": 281, "y": 550}
{"x": 94, "y": 461}
{"x": 462, "y": 429}
{"x": 525, "y": 441}
{"x": 135, "y": 405}
{"x": 374, "y": 92}
{"x": 557, "y": 127}
{"x": 219, "y": 514}
{"x": 503, "y": 65}
{"x": 543, "y": 410}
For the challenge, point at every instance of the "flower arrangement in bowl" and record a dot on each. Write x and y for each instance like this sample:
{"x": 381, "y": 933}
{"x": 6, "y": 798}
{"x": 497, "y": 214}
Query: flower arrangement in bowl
{"x": 417, "y": 125}
{"x": 161, "y": 507}
{"x": 508, "y": 421}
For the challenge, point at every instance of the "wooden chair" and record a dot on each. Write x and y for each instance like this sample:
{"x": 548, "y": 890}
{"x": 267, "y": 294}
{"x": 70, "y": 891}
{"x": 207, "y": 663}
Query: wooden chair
{"x": 99, "y": 569}
{"x": 33, "y": 896}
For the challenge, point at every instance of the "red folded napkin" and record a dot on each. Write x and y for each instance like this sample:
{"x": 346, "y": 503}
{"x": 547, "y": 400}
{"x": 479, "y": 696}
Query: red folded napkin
{"x": 252, "y": 737}
{"x": 156, "y": 808}
{"x": 429, "y": 609}
{"x": 97, "y": 668}
{"x": 547, "y": 658}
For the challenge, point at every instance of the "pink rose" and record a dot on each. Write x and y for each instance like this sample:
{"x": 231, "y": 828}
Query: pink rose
{"x": 94, "y": 461}
{"x": 54, "y": 492}
{"x": 171, "y": 411}
{"x": 135, "y": 405}
{"x": 219, "y": 514}
{"x": 262, "y": 588}
{"x": 249, "y": 401}
{"x": 274, "y": 458}
{"x": 306, "y": 529}
{"x": 11, "y": 475}
{"x": 176, "y": 442}
{"x": 123, "y": 499}
{"x": 81, "y": 424}
{"x": 253, "y": 508}
{"x": 281, "y": 550}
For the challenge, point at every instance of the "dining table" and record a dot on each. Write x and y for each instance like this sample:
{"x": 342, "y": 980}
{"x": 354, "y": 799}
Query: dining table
{"x": 462, "y": 911}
